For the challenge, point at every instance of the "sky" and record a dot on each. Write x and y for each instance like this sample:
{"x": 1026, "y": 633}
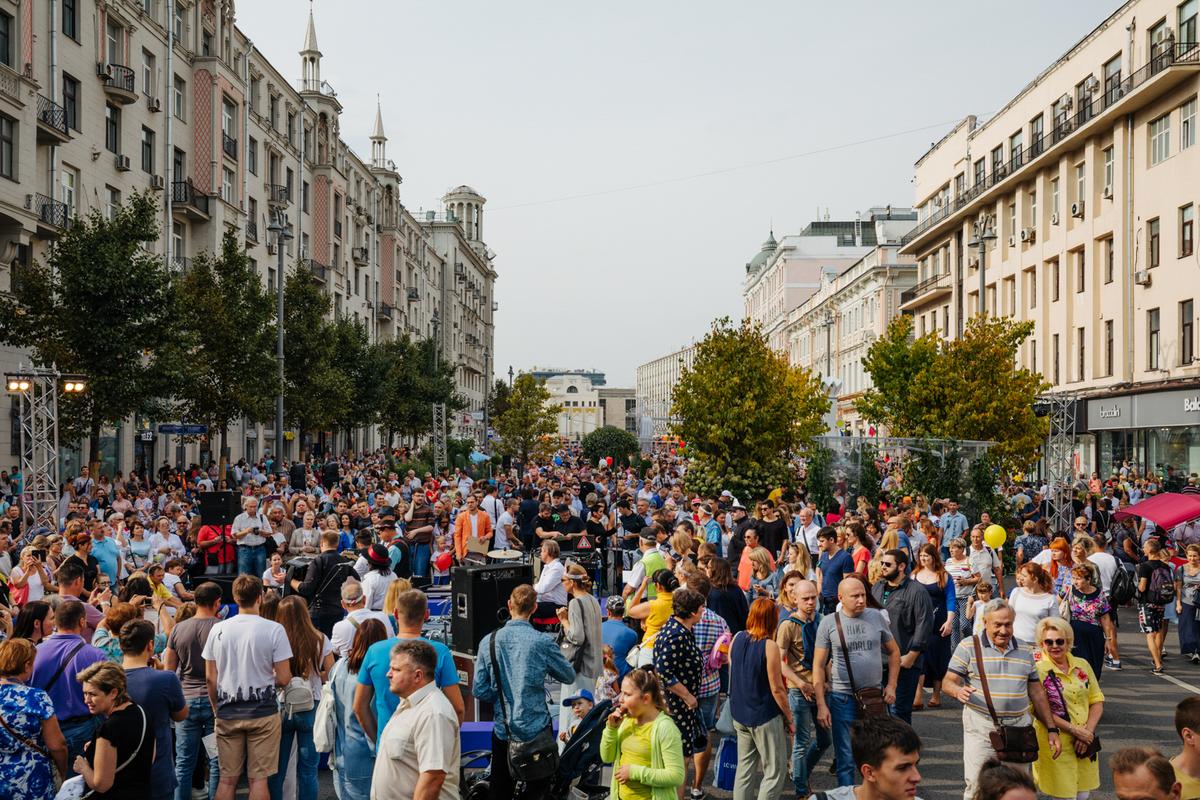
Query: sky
{"x": 634, "y": 155}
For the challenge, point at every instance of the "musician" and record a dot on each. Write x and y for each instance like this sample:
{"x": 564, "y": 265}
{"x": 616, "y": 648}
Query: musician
{"x": 471, "y": 523}
{"x": 568, "y": 527}
{"x": 322, "y": 584}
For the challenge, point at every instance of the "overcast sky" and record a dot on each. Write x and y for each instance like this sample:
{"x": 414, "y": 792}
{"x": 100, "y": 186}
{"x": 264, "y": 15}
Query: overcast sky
{"x": 628, "y": 104}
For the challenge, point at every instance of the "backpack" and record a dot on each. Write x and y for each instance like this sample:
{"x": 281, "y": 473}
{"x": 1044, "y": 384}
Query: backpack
{"x": 325, "y": 723}
{"x": 1122, "y": 588}
{"x": 1160, "y": 589}
{"x": 296, "y": 697}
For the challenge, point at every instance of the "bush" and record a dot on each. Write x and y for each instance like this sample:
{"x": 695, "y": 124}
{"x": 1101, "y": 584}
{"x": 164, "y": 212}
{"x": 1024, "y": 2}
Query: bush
{"x": 610, "y": 441}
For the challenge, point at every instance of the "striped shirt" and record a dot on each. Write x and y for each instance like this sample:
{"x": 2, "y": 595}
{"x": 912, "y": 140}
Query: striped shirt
{"x": 707, "y": 630}
{"x": 1009, "y": 673}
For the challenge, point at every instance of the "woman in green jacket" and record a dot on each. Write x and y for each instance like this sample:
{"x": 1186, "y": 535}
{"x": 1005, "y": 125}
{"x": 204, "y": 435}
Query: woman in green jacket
{"x": 642, "y": 743}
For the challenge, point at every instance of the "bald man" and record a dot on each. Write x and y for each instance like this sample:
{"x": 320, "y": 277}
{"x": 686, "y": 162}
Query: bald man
{"x": 867, "y": 639}
{"x": 796, "y": 637}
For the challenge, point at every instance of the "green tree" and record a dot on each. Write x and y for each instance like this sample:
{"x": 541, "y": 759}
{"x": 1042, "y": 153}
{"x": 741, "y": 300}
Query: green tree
{"x": 894, "y": 361}
{"x": 818, "y": 476}
{"x": 364, "y": 364}
{"x": 934, "y": 469}
{"x": 316, "y": 391}
{"x": 742, "y": 409}
{"x": 499, "y": 398}
{"x": 411, "y": 386}
{"x": 610, "y": 440}
{"x": 869, "y": 479}
{"x": 102, "y": 306}
{"x": 227, "y": 329}
{"x": 528, "y": 418}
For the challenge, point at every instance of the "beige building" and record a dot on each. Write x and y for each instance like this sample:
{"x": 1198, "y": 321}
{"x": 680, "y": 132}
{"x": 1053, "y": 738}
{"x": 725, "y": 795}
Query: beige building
{"x": 654, "y": 387}
{"x": 829, "y": 333}
{"x": 618, "y": 408}
{"x": 98, "y": 100}
{"x": 578, "y": 400}
{"x": 1086, "y": 183}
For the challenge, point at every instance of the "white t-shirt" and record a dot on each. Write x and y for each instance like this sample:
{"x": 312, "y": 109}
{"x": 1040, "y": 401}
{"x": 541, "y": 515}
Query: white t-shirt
{"x": 1030, "y": 609}
{"x": 375, "y": 587}
{"x": 1043, "y": 558}
{"x": 36, "y": 590}
{"x": 246, "y": 649}
{"x": 172, "y": 582}
{"x": 503, "y": 526}
{"x": 1107, "y": 566}
{"x": 344, "y": 631}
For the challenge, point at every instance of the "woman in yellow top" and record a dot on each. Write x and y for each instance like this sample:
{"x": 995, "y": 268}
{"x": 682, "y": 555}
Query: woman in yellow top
{"x": 654, "y": 613}
{"x": 1077, "y": 705}
{"x": 642, "y": 743}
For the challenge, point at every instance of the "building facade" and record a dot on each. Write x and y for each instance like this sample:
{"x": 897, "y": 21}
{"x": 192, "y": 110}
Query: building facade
{"x": 99, "y": 100}
{"x": 578, "y": 400}
{"x": 655, "y": 387}
{"x": 1085, "y": 185}
{"x": 618, "y": 408}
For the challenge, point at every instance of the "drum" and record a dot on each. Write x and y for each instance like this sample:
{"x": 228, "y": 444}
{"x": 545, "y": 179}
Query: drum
{"x": 503, "y": 556}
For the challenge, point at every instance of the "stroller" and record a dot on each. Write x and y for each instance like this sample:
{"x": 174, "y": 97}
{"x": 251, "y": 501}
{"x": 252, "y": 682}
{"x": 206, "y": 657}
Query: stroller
{"x": 578, "y": 764}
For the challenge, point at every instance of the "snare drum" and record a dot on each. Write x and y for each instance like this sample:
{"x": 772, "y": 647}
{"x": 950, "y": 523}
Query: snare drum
{"x": 503, "y": 556}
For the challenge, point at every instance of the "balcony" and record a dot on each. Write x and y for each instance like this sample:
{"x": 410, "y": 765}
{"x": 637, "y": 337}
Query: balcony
{"x": 186, "y": 199}
{"x": 360, "y": 255}
{"x": 52, "y": 215}
{"x": 51, "y": 122}
{"x": 318, "y": 270}
{"x": 1165, "y": 71}
{"x": 119, "y": 83}
{"x": 385, "y": 311}
{"x": 413, "y": 294}
{"x": 10, "y": 84}
{"x": 181, "y": 264}
{"x": 278, "y": 195}
{"x": 229, "y": 145}
{"x": 252, "y": 230}
{"x": 316, "y": 87}
{"x": 927, "y": 290}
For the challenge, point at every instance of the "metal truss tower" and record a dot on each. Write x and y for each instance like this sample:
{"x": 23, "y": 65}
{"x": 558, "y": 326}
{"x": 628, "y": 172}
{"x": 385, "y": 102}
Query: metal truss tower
{"x": 38, "y": 419}
{"x": 1060, "y": 458}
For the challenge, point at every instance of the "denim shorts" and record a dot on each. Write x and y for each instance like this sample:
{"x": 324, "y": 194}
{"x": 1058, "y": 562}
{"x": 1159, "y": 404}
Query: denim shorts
{"x": 707, "y": 709}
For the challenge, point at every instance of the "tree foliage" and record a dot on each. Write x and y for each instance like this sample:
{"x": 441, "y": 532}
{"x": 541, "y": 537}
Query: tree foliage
{"x": 741, "y": 409}
{"x": 227, "y": 328}
{"x": 499, "y": 398}
{"x": 528, "y": 418}
{"x": 411, "y": 386}
{"x": 102, "y": 306}
{"x": 610, "y": 441}
{"x": 363, "y": 364}
{"x": 316, "y": 390}
{"x": 895, "y": 360}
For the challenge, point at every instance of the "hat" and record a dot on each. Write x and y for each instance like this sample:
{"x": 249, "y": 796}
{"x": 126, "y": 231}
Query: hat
{"x": 648, "y": 535}
{"x": 386, "y": 511}
{"x": 737, "y": 507}
{"x": 615, "y": 604}
{"x": 584, "y": 694}
{"x": 726, "y": 493}
{"x": 377, "y": 554}
{"x": 696, "y": 501}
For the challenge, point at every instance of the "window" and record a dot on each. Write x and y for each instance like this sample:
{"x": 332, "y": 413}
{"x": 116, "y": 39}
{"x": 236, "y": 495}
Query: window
{"x": 1054, "y": 356}
{"x": 1108, "y": 171}
{"x": 1081, "y": 181}
{"x": 1160, "y": 139}
{"x": 179, "y": 99}
{"x": 114, "y": 41}
{"x": 1012, "y": 219}
{"x": 8, "y": 150}
{"x": 228, "y": 117}
{"x": 70, "y": 96}
{"x": 252, "y": 156}
{"x": 6, "y": 26}
{"x": 1083, "y": 101}
{"x": 70, "y": 190}
{"x": 180, "y": 17}
{"x": 1112, "y": 80}
{"x": 148, "y": 150}
{"x": 1054, "y": 281}
{"x": 997, "y": 158}
{"x": 1187, "y": 124}
{"x": 1080, "y": 271}
{"x": 1033, "y": 355}
{"x": 1080, "y": 354}
{"x": 1033, "y": 217}
{"x": 304, "y": 197}
{"x": 149, "y": 6}
{"x": 946, "y": 321}
{"x": 112, "y": 128}
{"x": 70, "y": 18}
{"x": 178, "y": 165}
{"x": 1152, "y": 242}
{"x": 273, "y": 111}
{"x": 112, "y": 202}
{"x": 980, "y": 172}
{"x": 1035, "y": 134}
{"x": 149, "y": 74}
{"x": 1016, "y": 148}
{"x": 206, "y": 41}
{"x": 1186, "y": 215}
{"x": 960, "y": 184}
{"x": 1032, "y": 285}
{"x": 291, "y": 128}
{"x": 1010, "y": 296}
{"x": 1186, "y": 329}
{"x": 177, "y": 239}
{"x": 252, "y": 213}
{"x": 227, "y": 179}
{"x": 1054, "y": 207}
{"x": 1108, "y": 348}
{"x": 1108, "y": 254}
{"x": 1187, "y": 21}
{"x": 1152, "y": 338}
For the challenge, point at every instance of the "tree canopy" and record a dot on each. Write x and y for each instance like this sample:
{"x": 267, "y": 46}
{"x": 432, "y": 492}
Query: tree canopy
{"x": 527, "y": 420}
{"x": 610, "y": 441}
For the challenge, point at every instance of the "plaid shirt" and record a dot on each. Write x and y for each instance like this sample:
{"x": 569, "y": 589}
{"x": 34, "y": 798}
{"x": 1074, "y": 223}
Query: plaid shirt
{"x": 706, "y": 632}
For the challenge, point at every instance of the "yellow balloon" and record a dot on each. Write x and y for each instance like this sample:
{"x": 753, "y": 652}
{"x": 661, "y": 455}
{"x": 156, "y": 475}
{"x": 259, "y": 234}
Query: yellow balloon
{"x": 995, "y": 536}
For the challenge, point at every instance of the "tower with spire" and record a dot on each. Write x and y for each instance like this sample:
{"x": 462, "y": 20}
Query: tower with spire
{"x": 378, "y": 140}
{"x": 310, "y": 57}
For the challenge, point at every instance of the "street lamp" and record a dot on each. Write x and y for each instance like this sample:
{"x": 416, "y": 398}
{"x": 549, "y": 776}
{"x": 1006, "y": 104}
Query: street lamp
{"x": 983, "y": 232}
{"x": 283, "y": 231}
{"x": 487, "y": 395}
{"x": 510, "y": 375}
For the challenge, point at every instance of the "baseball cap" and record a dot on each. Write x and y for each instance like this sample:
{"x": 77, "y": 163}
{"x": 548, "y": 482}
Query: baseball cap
{"x": 726, "y": 493}
{"x": 615, "y": 604}
{"x": 648, "y": 535}
{"x": 584, "y": 694}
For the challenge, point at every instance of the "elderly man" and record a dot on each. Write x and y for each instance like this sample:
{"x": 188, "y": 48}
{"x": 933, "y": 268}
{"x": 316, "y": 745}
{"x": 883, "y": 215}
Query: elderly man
{"x": 807, "y": 530}
{"x": 1013, "y": 684}
{"x": 251, "y": 530}
{"x": 355, "y": 604}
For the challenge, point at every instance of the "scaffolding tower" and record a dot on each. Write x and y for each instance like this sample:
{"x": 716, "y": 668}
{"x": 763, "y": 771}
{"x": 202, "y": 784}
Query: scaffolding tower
{"x": 38, "y": 421}
{"x": 1060, "y": 458}
{"x": 439, "y": 437}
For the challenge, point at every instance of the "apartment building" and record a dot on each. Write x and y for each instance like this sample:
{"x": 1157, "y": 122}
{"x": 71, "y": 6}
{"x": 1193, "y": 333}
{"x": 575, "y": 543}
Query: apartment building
{"x": 654, "y": 387}
{"x": 98, "y": 100}
{"x": 580, "y": 411}
{"x": 618, "y": 407}
{"x": 830, "y": 332}
{"x": 1074, "y": 207}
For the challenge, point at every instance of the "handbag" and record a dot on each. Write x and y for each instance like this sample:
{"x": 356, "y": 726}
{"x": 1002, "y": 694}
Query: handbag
{"x": 325, "y": 721}
{"x": 725, "y": 718}
{"x": 1016, "y": 744}
{"x": 576, "y": 658}
{"x": 532, "y": 760}
{"x": 869, "y": 698}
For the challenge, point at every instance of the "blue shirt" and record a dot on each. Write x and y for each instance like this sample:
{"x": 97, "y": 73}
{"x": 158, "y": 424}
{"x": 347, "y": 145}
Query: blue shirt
{"x": 374, "y": 670}
{"x": 160, "y": 694}
{"x": 833, "y": 570}
{"x": 621, "y": 638}
{"x": 953, "y": 526}
{"x": 66, "y": 693}
{"x": 108, "y": 556}
{"x": 712, "y": 534}
{"x": 526, "y": 657}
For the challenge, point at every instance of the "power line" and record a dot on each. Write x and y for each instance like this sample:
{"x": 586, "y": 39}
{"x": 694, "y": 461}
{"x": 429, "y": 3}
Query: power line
{"x": 725, "y": 170}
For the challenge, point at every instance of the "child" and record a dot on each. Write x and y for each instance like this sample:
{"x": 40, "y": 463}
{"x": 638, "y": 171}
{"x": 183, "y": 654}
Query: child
{"x": 580, "y": 705}
{"x": 608, "y": 685}
{"x": 441, "y": 565}
{"x": 273, "y": 577}
{"x": 174, "y": 580}
{"x": 983, "y": 593}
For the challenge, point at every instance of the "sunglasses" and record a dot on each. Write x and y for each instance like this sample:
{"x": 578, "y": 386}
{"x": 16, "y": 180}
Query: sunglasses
{"x": 1054, "y": 642}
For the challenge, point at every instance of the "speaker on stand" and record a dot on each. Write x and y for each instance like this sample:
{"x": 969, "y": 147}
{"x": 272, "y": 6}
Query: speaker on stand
{"x": 218, "y": 508}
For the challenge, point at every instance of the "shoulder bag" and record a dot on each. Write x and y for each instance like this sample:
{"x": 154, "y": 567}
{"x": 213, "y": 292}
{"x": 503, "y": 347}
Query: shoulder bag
{"x": 869, "y": 698}
{"x": 533, "y": 760}
{"x": 1016, "y": 744}
{"x": 577, "y": 655}
{"x": 90, "y": 792}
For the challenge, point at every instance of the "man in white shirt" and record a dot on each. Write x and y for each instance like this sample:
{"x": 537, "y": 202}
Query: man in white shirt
{"x": 551, "y": 593}
{"x": 506, "y": 523}
{"x": 807, "y": 531}
{"x": 491, "y": 504}
{"x": 355, "y": 603}
{"x": 419, "y": 748}
{"x": 251, "y": 530}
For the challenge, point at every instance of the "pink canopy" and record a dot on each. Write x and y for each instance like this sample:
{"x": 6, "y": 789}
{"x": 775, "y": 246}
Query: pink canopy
{"x": 1166, "y": 510}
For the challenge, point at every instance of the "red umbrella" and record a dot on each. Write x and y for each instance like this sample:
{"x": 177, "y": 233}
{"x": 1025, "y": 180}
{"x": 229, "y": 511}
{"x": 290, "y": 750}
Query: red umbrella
{"x": 1166, "y": 510}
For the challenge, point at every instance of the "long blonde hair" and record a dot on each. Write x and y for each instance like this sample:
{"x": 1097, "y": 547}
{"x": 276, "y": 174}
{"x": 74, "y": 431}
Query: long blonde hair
{"x": 801, "y": 561}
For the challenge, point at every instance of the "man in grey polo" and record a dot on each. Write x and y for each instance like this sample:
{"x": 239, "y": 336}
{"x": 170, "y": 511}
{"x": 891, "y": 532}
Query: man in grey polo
{"x": 1012, "y": 682}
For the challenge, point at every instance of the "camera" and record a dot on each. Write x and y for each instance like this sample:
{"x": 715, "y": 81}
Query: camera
{"x": 40, "y": 555}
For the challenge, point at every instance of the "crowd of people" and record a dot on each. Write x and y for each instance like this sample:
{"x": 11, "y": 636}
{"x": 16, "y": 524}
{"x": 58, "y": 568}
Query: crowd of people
{"x": 143, "y": 647}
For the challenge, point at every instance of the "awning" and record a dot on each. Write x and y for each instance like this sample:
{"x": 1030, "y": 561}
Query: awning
{"x": 1166, "y": 510}
{"x": 478, "y": 457}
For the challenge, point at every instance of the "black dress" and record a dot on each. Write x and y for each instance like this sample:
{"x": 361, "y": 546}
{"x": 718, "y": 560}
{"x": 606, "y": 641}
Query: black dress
{"x": 937, "y": 650}
{"x": 676, "y": 658}
{"x": 128, "y": 731}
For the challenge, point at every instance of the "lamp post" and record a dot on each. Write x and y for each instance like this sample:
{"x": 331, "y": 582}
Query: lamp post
{"x": 510, "y": 375}
{"x": 487, "y": 395}
{"x": 983, "y": 232}
{"x": 282, "y": 230}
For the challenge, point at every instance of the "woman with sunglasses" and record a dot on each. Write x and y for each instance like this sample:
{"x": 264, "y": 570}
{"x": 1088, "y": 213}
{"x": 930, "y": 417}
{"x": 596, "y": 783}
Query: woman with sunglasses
{"x": 1076, "y": 704}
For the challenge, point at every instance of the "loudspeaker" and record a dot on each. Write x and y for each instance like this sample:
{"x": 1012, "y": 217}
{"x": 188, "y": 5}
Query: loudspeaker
{"x": 477, "y": 595}
{"x": 298, "y": 478}
{"x": 224, "y": 581}
{"x": 219, "y": 508}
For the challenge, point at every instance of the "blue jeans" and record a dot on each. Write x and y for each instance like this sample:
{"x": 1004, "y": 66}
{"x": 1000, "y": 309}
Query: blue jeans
{"x": 805, "y": 754}
{"x": 843, "y": 711}
{"x": 188, "y": 733}
{"x": 906, "y": 689}
{"x": 355, "y": 764}
{"x": 1188, "y": 630}
{"x": 252, "y": 559}
{"x": 298, "y": 727}
{"x": 77, "y": 735}
{"x": 420, "y": 554}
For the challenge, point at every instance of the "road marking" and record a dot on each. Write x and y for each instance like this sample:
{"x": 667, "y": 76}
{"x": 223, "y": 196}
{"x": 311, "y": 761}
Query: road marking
{"x": 1180, "y": 684}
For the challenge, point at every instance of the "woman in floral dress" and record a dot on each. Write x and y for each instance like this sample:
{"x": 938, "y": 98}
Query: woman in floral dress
{"x": 1090, "y": 614}
{"x": 30, "y": 739}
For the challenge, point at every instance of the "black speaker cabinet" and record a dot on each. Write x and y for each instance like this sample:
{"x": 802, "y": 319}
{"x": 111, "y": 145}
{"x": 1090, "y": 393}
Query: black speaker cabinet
{"x": 219, "y": 508}
{"x": 224, "y": 581}
{"x": 298, "y": 478}
{"x": 477, "y": 594}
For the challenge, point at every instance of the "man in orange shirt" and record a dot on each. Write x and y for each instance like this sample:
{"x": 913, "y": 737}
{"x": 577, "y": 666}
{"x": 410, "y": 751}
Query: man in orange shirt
{"x": 472, "y": 521}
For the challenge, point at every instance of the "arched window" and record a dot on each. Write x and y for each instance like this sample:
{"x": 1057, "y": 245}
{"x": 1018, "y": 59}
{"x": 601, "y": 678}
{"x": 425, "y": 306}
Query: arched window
{"x": 572, "y": 390}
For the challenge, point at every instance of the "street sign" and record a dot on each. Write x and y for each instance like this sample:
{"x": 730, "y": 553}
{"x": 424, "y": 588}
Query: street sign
{"x": 183, "y": 429}
{"x": 147, "y": 436}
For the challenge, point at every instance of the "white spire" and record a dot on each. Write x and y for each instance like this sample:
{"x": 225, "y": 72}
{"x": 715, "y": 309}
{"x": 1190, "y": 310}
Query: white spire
{"x": 378, "y": 132}
{"x": 310, "y": 37}
{"x": 310, "y": 57}
{"x": 378, "y": 140}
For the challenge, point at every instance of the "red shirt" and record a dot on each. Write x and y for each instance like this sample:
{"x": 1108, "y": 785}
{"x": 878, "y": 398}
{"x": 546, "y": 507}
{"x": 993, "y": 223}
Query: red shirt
{"x": 219, "y": 555}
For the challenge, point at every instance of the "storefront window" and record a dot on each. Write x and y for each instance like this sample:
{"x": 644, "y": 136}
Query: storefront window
{"x": 1174, "y": 453}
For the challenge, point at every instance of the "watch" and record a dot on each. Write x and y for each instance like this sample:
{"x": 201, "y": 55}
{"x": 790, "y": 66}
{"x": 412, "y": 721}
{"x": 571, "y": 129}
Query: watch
{"x": 1051, "y": 730}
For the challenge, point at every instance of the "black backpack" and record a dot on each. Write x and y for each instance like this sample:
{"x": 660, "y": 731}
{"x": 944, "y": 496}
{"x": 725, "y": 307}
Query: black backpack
{"x": 1160, "y": 589}
{"x": 1123, "y": 587}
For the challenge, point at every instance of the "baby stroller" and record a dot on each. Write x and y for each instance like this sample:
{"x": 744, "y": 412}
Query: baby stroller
{"x": 580, "y": 761}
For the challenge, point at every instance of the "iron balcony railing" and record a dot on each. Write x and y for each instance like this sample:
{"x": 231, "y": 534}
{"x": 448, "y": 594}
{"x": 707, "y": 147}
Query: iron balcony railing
{"x": 278, "y": 193}
{"x": 121, "y": 77}
{"x": 252, "y": 230}
{"x": 385, "y": 311}
{"x": 52, "y": 212}
{"x": 359, "y": 254}
{"x": 319, "y": 270}
{"x": 183, "y": 193}
{"x": 51, "y": 114}
{"x": 229, "y": 145}
{"x": 181, "y": 263}
{"x": 1065, "y": 124}
{"x": 921, "y": 288}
